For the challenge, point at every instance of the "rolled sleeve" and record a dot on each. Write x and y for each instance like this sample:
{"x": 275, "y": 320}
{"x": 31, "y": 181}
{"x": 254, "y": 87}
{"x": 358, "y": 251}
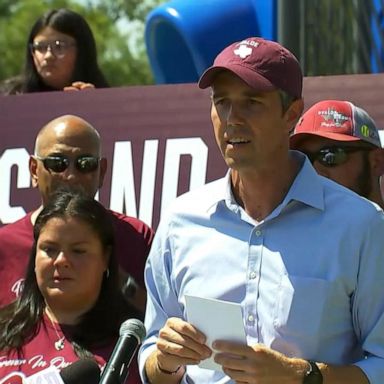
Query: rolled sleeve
{"x": 368, "y": 302}
{"x": 373, "y": 368}
{"x": 162, "y": 301}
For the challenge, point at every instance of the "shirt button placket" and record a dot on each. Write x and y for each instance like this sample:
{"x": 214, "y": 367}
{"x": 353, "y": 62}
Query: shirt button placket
{"x": 253, "y": 275}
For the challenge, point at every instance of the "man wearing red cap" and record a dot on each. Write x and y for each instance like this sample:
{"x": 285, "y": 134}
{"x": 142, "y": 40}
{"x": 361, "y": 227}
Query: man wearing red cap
{"x": 343, "y": 143}
{"x": 300, "y": 254}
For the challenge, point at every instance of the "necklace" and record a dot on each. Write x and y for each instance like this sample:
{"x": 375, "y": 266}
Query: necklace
{"x": 59, "y": 343}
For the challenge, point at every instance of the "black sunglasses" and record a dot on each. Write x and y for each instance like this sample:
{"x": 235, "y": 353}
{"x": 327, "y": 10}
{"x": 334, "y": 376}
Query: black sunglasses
{"x": 333, "y": 156}
{"x": 59, "y": 163}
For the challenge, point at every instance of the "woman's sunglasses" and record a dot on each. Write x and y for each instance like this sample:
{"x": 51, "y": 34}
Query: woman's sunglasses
{"x": 333, "y": 156}
{"x": 59, "y": 163}
{"x": 58, "y": 48}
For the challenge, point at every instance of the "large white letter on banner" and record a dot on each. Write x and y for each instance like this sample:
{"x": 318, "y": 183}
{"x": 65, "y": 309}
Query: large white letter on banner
{"x": 198, "y": 150}
{"x": 11, "y": 157}
{"x": 123, "y": 183}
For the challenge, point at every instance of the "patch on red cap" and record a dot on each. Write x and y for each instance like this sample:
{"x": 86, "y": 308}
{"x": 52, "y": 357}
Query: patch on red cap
{"x": 336, "y": 120}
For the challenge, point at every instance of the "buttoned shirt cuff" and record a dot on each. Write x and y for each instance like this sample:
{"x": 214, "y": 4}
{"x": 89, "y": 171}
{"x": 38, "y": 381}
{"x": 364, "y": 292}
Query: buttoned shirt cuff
{"x": 145, "y": 352}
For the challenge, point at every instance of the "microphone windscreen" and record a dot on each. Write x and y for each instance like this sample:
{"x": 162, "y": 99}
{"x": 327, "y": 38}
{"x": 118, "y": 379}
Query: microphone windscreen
{"x": 133, "y": 327}
{"x": 85, "y": 371}
{"x": 132, "y": 333}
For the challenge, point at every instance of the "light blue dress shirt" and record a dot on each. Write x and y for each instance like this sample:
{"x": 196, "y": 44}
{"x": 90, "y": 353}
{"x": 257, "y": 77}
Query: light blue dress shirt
{"x": 309, "y": 277}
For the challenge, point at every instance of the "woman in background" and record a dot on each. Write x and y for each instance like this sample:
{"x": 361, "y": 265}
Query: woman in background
{"x": 60, "y": 55}
{"x": 71, "y": 306}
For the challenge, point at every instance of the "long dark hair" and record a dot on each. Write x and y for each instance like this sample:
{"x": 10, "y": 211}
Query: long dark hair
{"x": 20, "y": 320}
{"x": 74, "y": 25}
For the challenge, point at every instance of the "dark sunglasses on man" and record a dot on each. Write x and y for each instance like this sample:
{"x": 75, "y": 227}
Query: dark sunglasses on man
{"x": 334, "y": 155}
{"x": 59, "y": 163}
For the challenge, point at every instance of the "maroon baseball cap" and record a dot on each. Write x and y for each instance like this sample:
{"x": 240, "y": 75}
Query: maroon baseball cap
{"x": 263, "y": 64}
{"x": 336, "y": 120}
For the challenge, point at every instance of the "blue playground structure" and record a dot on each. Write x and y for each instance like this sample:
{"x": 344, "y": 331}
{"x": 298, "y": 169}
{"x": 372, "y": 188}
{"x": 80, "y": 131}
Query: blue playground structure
{"x": 184, "y": 36}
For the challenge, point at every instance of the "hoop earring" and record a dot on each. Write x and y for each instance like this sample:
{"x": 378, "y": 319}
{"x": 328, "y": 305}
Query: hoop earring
{"x": 107, "y": 273}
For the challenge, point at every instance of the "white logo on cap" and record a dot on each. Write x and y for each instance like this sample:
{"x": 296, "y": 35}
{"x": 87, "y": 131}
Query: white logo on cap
{"x": 243, "y": 51}
{"x": 333, "y": 117}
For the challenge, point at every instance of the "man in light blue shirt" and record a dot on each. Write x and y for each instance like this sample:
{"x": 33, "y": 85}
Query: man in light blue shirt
{"x": 302, "y": 255}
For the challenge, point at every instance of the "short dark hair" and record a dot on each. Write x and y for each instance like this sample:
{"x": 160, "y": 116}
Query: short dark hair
{"x": 286, "y": 100}
{"x": 20, "y": 320}
{"x": 74, "y": 25}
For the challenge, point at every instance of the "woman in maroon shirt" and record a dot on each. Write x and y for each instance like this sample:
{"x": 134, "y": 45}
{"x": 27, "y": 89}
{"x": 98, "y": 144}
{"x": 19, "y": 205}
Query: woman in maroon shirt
{"x": 71, "y": 306}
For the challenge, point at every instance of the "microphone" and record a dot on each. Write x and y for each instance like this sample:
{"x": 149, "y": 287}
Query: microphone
{"x": 132, "y": 333}
{"x": 84, "y": 371}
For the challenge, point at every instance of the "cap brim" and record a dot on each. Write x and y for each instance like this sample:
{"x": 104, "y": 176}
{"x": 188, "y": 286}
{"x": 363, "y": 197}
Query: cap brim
{"x": 252, "y": 78}
{"x": 297, "y": 138}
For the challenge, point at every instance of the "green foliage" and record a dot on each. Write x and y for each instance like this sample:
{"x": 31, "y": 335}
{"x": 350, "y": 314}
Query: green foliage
{"x": 122, "y": 62}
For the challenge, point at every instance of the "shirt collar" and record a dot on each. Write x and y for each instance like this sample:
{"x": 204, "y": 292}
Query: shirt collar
{"x": 307, "y": 187}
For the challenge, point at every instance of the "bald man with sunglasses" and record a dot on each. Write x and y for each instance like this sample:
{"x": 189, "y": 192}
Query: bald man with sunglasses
{"x": 68, "y": 153}
{"x": 342, "y": 142}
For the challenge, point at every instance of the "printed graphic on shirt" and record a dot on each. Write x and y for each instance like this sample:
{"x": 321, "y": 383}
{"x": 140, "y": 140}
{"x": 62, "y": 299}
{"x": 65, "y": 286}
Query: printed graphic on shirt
{"x": 17, "y": 287}
{"x": 36, "y": 362}
{"x": 13, "y": 378}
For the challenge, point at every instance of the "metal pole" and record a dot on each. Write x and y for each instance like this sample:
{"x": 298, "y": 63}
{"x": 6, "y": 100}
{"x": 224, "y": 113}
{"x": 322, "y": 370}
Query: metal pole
{"x": 289, "y": 25}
